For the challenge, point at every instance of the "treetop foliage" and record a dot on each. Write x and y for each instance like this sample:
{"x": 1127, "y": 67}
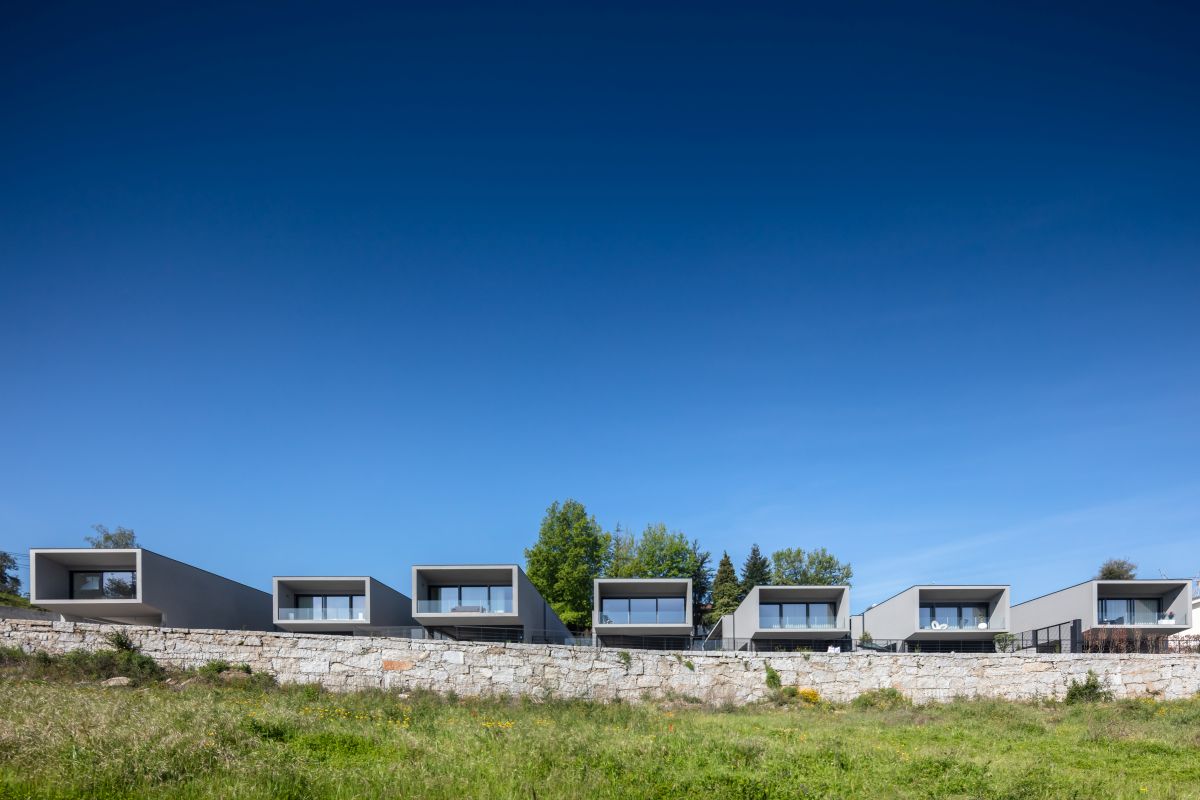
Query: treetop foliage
{"x": 1117, "y": 569}
{"x": 120, "y": 539}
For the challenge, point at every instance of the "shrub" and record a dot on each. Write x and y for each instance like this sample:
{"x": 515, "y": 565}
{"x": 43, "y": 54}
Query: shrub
{"x": 886, "y": 698}
{"x": 690, "y": 665}
{"x": 213, "y": 669}
{"x": 1089, "y": 691}
{"x": 866, "y": 638}
{"x": 120, "y": 641}
{"x": 773, "y": 680}
{"x": 626, "y": 659}
{"x": 1005, "y": 642}
{"x": 810, "y": 696}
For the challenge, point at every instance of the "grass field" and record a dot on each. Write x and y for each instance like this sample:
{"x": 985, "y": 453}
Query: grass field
{"x": 73, "y": 740}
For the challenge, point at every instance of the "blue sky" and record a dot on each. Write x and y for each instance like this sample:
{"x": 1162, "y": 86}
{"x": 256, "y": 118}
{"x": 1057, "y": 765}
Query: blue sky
{"x": 346, "y": 290}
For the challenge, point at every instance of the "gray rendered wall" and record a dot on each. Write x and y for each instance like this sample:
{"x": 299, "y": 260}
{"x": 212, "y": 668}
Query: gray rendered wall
{"x": 190, "y": 597}
{"x": 535, "y": 613}
{"x": 1074, "y": 602}
{"x": 389, "y": 608}
{"x": 895, "y": 618}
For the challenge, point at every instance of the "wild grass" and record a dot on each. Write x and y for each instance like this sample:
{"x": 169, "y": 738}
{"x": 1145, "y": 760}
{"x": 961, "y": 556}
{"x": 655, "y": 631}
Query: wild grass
{"x": 63, "y": 739}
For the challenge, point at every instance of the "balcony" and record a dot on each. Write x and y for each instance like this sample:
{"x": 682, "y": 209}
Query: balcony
{"x": 661, "y": 617}
{"x": 797, "y": 616}
{"x": 962, "y": 624}
{"x": 322, "y": 615}
{"x": 480, "y": 606}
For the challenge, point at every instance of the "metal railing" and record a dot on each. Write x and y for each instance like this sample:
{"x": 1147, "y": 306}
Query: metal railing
{"x": 1066, "y": 637}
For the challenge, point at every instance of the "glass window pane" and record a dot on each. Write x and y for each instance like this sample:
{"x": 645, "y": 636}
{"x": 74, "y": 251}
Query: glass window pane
{"x": 820, "y": 615}
{"x": 447, "y": 597}
{"x": 926, "y": 617}
{"x": 768, "y": 615}
{"x": 502, "y": 601}
{"x": 643, "y": 610}
{"x": 358, "y": 607}
{"x": 671, "y": 610}
{"x": 304, "y": 600}
{"x": 474, "y": 598}
{"x": 794, "y": 615}
{"x": 946, "y": 615}
{"x": 614, "y": 611}
{"x": 86, "y": 585}
{"x": 1114, "y": 612}
{"x": 974, "y": 616}
{"x": 1145, "y": 610}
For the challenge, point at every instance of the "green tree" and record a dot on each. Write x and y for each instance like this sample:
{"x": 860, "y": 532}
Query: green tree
{"x": 702, "y": 576}
{"x": 756, "y": 571}
{"x": 1117, "y": 569}
{"x": 571, "y": 552}
{"x": 726, "y": 590}
{"x": 120, "y": 539}
{"x": 623, "y": 559}
{"x": 9, "y": 582}
{"x": 793, "y": 566}
{"x": 661, "y": 553}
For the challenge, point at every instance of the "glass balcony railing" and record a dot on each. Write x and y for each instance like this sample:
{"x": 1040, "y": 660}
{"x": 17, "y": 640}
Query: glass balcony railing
{"x": 1137, "y": 618}
{"x": 962, "y": 624}
{"x": 322, "y": 615}
{"x": 493, "y": 606}
{"x": 786, "y": 624}
{"x": 670, "y": 617}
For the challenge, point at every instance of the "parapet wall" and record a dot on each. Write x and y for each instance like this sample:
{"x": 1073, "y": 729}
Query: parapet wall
{"x": 344, "y": 663}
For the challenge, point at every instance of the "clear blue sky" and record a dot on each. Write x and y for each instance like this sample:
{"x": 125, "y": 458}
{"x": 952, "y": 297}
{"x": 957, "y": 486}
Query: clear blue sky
{"x": 326, "y": 289}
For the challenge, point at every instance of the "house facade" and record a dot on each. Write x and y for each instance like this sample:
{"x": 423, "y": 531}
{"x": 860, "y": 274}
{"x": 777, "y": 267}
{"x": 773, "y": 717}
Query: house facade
{"x": 936, "y": 618}
{"x": 137, "y": 586}
{"x": 338, "y": 605}
{"x": 483, "y": 602}
{"x": 1116, "y": 613}
{"x": 788, "y": 618}
{"x": 642, "y": 612}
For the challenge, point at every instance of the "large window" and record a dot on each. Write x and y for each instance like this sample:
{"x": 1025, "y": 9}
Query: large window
{"x": 469, "y": 599}
{"x": 796, "y": 615}
{"x": 328, "y": 607}
{"x": 104, "y": 585}
{"x": 956, "y": 616}
{"x": 643, "y": 611}
{"x": 1130, "y": 611}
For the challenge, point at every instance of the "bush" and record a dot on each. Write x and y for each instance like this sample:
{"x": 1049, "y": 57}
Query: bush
{"x": 120, "y": 641}
{"x": 104, "y": 664}
{"x": 1005, "y": 642}
{"x": 1089, "y": 691}
{"x": 810, "y": 696}
{"x": 887, "y": 698}
{"x": 773, "y": 680}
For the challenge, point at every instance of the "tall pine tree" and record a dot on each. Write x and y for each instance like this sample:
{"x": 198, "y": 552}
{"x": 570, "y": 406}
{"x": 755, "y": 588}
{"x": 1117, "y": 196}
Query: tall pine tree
{"x": 726, "y": 590}
{"x": 756, "y": 571}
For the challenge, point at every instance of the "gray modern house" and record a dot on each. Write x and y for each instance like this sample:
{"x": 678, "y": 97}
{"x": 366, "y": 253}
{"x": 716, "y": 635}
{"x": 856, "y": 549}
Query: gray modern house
{"x": 338, "y": 604}
{"x": 788, "y": 618}
{"x": 483, "y": 602}
{"x": 642, "y": 612}
{"x": 140, "y": 587}
{"x": 934, "y": 618}
{"x": 1112, "y": 610}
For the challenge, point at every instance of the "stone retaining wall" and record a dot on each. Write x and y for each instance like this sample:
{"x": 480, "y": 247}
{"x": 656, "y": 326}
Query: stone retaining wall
{"x": 344, "y": 663}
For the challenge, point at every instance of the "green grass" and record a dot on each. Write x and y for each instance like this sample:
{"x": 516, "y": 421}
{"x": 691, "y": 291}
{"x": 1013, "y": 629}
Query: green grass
{"x": 16, "y": 600}
{"x": 63, "y": 739}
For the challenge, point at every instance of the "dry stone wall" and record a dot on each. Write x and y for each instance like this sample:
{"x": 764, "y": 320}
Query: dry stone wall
{"x": 344, "y": 663}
